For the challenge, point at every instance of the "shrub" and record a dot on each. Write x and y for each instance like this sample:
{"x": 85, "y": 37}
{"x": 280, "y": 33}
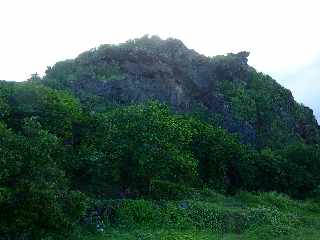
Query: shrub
{"x": 217, "y": 151}
{"x": 139, "y": 144}
{"x": 34, "y": 193}
{"x": 261, "y": 171}
{"x": 168, "y": 190}
{"x": 302, "y": 167}
{"x": 138, "y": 212}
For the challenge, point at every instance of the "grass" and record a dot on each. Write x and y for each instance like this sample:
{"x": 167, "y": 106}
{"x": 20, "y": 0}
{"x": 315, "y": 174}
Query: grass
{"x": 209, "y": 215}
{"x": 161, "y": 234}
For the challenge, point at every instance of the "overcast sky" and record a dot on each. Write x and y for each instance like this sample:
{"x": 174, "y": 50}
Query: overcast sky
{"x": 282, "y": 35}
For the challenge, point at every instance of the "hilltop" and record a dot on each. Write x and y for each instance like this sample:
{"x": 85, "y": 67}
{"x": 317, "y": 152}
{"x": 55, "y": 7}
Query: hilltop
{"x": 225, "y": 88}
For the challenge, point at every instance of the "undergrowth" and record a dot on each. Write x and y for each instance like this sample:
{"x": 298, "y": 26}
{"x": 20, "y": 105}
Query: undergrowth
{"x": 209, "y": 215}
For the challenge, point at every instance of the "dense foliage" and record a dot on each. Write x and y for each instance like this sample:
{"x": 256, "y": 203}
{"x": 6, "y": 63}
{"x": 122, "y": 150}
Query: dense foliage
{"x": 54, "y": 152}
{"x": 35, "y": 198}
{"x": 269, "y": 107}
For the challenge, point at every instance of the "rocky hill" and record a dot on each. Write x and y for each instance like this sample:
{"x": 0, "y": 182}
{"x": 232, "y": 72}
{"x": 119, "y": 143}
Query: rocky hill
{"x": 80, "y": 159}
{"x": 225, "y": 89}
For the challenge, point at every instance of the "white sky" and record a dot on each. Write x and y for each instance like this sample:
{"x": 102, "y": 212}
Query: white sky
{"x": 282, "y": 35}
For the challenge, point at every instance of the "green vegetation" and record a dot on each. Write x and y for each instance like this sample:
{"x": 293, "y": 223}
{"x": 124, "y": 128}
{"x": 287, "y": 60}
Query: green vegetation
{"x": 213, "y": 216}
{"x": 58, "y": 160}
{"x": 87, "y": 67}
{"x": 267, "y": 105}
{"x": 75, "y": 166}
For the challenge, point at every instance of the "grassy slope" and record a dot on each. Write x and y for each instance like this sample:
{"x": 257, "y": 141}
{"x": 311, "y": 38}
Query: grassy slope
{"x": 213, "y": 216}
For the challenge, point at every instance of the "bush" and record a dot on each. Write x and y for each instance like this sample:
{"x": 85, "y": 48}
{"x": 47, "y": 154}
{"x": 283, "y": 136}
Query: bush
{"x": 168, "y": 190}
{"x": 261, "y": 171}
{"x": 138, "y": 212}
{"x": 139, "y": 144}
{"x": 34, "y": 193}
{"x": 217, "y": 151}
{"x": 301, "y": 169}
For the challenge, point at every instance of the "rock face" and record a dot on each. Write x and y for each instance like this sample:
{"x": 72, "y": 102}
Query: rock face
{"x": 166, "y": 70}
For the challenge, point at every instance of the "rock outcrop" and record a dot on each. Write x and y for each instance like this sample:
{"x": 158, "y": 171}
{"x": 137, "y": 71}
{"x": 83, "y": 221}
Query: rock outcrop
{"x": 225, "y": 87}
